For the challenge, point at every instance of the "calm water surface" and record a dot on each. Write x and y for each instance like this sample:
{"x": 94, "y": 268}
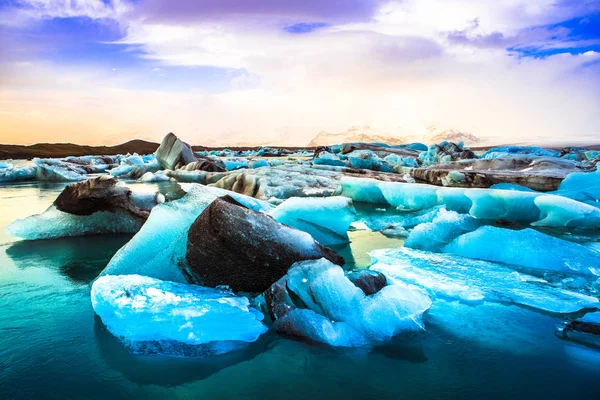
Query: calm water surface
{"x": 52, "y": 346}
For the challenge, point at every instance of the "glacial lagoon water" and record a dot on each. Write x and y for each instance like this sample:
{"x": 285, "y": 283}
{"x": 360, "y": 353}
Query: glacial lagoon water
{"x": 53, "y": 347}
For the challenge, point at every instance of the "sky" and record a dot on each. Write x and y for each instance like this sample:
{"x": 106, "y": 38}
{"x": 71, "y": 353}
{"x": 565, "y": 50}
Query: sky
{"x": 224, "y": 72}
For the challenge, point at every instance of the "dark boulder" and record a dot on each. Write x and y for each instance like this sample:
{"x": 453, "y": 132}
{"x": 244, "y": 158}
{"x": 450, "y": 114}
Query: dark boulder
{"x": 248, "y": 251}
{"x": 370, "y": 282}
{"x": 103, "y": 193}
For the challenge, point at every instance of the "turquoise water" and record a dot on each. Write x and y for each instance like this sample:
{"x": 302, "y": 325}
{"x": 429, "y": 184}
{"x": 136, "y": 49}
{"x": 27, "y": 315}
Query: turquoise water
{"x": 52, "y": 346}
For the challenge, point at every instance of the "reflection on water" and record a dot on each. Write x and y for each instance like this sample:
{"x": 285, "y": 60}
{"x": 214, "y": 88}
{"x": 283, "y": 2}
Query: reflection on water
{"x": 80, "y": 259}
{"x": 168, "y": 371}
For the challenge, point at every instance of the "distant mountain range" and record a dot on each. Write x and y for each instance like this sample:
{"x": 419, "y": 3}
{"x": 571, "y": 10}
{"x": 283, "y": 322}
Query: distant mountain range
{"x": 370, "y": 135}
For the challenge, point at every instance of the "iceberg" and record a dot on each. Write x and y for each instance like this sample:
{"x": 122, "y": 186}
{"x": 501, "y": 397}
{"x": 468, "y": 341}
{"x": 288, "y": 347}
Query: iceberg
{"x": 470, "y": 281}
{"x": 561, "y": 211}
{"x": 280, "y": 182}
{"x": 150, "y": 316}
{"x": 330, "y": 309}
{"x": 496, "y": 152}
{"x": 96, "y": 206}
{"x": 367, "y": 159}
{"x": 328, "y": 158}
{"x": 54, "y": 223}
{"x": 581, "y": 186}
{"x": 484, "y": 204}
{"x": 526, "y": 248}
{"x": 17, "y": 174}
{"x": 326, "y": 219}
{"x": 158, "y": 250}
{"x": 58, "y": 171}
{"x": 445, "y": 227}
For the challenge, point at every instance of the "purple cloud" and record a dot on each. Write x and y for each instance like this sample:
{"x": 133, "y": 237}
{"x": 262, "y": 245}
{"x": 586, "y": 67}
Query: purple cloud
{"x": 196, "y": 10}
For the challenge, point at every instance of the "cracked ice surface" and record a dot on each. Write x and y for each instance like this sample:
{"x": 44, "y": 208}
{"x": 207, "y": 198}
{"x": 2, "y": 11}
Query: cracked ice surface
{"x": 156, "y": 317}
{"x": 458, "y": 278}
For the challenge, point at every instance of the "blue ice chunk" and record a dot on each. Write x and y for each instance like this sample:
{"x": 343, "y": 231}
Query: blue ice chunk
{"x": 362, "y": 190}
{"x": 327, "y": 158}
{"x": 496, "y": 152}
{"x": 235, "y": 163}
{"x": 503, "y": 204}
{"x": 367, "y": 159}
{"x": 396, "y": 161}
{"x": 17, "y": 174}
{"x": 340, "y": 314}
{"x": 511, "y": 186}
{"x": 409, "y": 196}
{"x": 258, "y": 163}
{"x": 326, "y": 219}
{"x": 400, "y": 220}
{"x": 564, "y": 212}
{"x": 151, "y": 316}
{"x": 471, "y": 281}
{"x": 526, "y": 248}
{"x": 445, "y": 227}
{"x": 581, "y": 186}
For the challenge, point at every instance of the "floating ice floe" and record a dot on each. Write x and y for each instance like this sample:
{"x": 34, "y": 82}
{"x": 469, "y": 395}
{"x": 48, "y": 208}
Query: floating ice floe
{"x": 326, "y": 219}
{"x": 330, "y": 309}
{"x": 53, "y": 170}
{"x": 526, "y": 248}
{"x": 327, "y": 158}
{"x": 471, "y": 281}
{"x": 54, "y": 223}
{"x": 485, "y": 204}
{"x": 150, "y": 316}
{"x": 135, "y": 166}
{"x": 17, "y": 174}
{"x": 445, "y": 227}
{"x": 496, "y": 152}
{"x": 97, "y": 206}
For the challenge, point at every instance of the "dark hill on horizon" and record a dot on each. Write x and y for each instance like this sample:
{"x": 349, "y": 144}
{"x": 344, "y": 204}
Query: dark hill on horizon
{"x": 58, "y": 150}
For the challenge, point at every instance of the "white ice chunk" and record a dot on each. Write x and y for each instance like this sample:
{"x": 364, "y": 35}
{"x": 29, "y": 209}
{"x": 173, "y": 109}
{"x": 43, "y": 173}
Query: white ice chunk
{"x": 459, "y": 278}
{"x": 151, "y": 316}
{"x": 54, "y": 223}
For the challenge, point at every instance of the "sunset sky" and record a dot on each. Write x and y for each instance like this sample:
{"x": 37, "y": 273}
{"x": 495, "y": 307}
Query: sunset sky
{"x": 280, "y": 71}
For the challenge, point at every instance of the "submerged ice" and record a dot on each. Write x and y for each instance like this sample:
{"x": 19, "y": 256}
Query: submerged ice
{"x": 150, "y": 316}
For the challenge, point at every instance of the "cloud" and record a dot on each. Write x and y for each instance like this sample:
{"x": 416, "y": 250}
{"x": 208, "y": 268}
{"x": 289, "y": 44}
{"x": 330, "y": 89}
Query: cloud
{"x": 232, "y": 73}
{"x": 188, "y": 11}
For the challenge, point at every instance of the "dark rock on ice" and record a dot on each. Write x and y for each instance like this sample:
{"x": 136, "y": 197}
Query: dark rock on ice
{"x": 248, "y": 251}
{"x": 103, "y": 193}
{"x": 370, "y": 282}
